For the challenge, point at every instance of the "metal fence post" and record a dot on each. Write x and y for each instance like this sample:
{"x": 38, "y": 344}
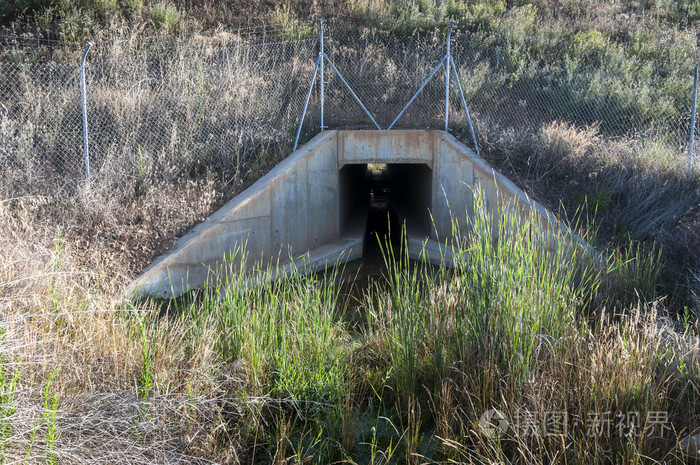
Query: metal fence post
{"x": 447, "y": 77}
{"x": 83, "y": 97}
{"x": 693, "y": 111}
{"x": 320, "y": 54}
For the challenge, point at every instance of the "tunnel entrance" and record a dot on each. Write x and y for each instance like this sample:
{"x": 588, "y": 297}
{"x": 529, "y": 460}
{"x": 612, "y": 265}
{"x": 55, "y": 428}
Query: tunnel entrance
{"x": 376, "y": 200}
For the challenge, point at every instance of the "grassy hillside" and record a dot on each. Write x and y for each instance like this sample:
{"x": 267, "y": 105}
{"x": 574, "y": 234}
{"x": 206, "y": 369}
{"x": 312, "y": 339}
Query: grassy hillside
{"x": 311, "y": 370}
{"x": 661, "y": 30}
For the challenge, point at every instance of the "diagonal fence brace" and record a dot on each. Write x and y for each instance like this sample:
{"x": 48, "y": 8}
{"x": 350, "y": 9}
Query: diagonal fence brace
{"x": 449, "y": 65}
{"x": 357, "y": 99}
{"x": 319, "y": 65}
{"x": 306, "y": 103}
{"x": 447, "y": 60}
{"x": 464, "y": 104}
{"x": 419, "y": 91}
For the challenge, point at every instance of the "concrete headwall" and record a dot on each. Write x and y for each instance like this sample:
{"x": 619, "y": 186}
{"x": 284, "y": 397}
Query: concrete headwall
{"x": 297, "y": 210}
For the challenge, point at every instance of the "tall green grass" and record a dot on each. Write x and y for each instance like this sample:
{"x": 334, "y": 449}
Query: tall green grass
{"x": 288, "y": 340}
{"x": 514, "y": 284}
{"x": 520, "y": 283}
{"x": 328, "y": 390}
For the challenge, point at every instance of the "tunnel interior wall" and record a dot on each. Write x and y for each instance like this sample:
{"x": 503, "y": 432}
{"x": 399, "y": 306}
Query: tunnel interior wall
{"x": 411, "y": 191}
{"x": 353, "y": 187}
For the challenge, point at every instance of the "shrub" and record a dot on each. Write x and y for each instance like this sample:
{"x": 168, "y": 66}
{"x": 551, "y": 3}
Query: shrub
{"x": 165, "y": 16}
{"x": 132, "y": 7}
{"x": 76, "y": 24}
{"x": 290, "y": 26}
{"x": 103, "y": 8}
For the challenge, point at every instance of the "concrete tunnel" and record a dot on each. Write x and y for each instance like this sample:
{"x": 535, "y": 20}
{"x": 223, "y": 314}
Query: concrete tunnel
{"x": 311, "y": 211}
{"x": 370, "y": 194}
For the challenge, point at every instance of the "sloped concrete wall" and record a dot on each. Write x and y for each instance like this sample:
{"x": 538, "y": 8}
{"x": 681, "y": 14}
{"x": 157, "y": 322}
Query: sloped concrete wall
{"x": 459, "y": 172}
{"x": 290, "y": 210}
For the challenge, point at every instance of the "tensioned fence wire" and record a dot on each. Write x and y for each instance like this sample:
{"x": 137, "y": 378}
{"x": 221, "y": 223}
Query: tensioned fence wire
{"x": 197, "y": 107}
{"x": 519, "y": 85}
{"x": 40, "y": 119}
{"x": 384, "y": 72}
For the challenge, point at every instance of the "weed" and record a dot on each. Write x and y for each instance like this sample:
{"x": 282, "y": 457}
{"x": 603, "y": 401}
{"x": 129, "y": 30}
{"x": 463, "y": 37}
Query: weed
{"x": 44, "y": 18}
{"x": 50, "y": 410}
{"x": 405, "y": 310}
{"x": 145, "y": 380}
{"x": 133, "y": 7}
{"x": 638, "y": 272}
{"x": 165, "y": 15}
{"x": 278, "y": 360}
{"x": 8, "y": 386}
{"x": 76, "y": 24}
{"x": 48, "y": 419}
{"x": 291, "y": 28}
{"x": 103, "y": 8}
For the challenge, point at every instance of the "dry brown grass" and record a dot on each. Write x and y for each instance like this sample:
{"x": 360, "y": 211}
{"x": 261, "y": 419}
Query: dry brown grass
{"x": 629, "y": 191}
{"x": 613, "y": 369}
{"x": 65, "y": 256}
{"x": 61, "y": 312}
{"x": 133, "y": 385}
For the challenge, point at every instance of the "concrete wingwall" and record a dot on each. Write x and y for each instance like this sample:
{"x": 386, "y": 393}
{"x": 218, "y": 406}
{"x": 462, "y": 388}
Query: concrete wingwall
{"x": 460, "y": 172}
{"x": 294, "y": 214}
{"x": 293, "y": 208}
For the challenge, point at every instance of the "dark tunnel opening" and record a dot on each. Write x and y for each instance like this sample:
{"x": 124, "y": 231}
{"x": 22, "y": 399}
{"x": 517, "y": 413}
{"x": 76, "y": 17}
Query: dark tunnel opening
{"x": 378, "y": 199}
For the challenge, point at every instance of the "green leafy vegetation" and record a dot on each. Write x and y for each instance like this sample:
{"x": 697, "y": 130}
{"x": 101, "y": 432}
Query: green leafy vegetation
{"x": 290, "y": 26}
{"x": 164, "y": 15}
{"x": 651, "y": 31}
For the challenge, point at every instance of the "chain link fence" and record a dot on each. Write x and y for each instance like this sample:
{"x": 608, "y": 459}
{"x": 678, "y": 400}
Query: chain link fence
{"x": 167, "y": 110}
{"x": 533, "y": 81}
{"x": 154, "y": 115}
{"x": 510, "y": 85}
